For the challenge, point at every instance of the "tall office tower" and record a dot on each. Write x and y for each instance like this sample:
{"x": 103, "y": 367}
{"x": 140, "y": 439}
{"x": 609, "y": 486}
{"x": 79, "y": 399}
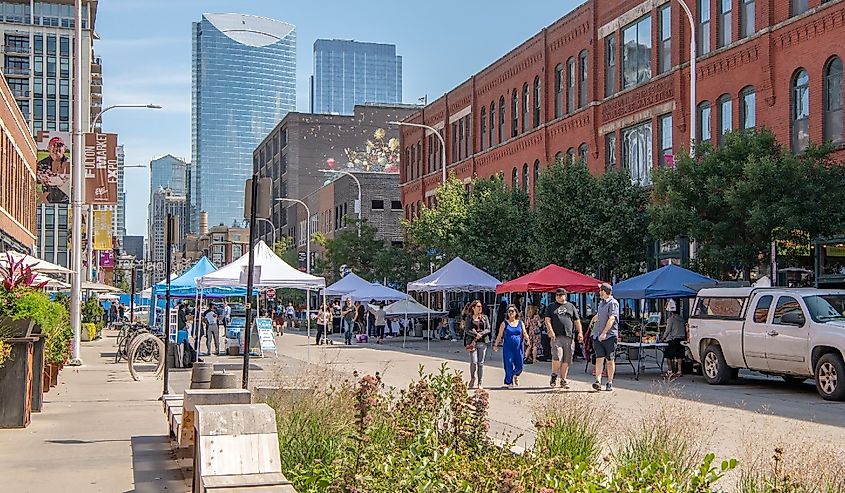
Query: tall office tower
{"x": 164, "y": 201}
{"x": 244, "y": 83}
{"x": 37, "y": 61}
{"x": 347, "y": 73}
{"x": 168, "y": 172}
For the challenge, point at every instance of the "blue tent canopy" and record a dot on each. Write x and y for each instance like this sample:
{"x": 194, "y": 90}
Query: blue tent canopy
{"x": 670, "y": 281}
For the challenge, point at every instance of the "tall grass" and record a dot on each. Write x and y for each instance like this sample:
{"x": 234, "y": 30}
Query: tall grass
{"x": 567, "y": 428}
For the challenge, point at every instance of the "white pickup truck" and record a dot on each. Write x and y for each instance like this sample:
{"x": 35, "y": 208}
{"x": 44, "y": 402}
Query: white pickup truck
{"x": 796, "y": 333}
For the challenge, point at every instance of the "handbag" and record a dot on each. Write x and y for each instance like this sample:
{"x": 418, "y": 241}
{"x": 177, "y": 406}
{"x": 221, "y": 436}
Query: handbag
{"x": 470, "y": 347}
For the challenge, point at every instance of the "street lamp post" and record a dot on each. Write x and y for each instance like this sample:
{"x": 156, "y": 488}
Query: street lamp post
{"x": 692, "y": 89}
{"x": 272, "y": 228}
{"x": 442, "y": 142}
{"x": 123, "y": 105}
{"x": 357, "y": 182}
{"x": 307, "y": 264}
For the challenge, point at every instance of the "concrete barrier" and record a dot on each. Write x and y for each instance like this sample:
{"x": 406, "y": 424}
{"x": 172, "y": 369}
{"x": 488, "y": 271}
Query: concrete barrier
{"x": 205, "y": 397}
{"x": 237, "y": 450}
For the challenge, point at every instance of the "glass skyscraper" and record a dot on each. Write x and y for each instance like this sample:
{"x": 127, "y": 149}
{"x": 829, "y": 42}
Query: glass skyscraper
{"x": 244, "y": 83}
{"x": 347, "y": 73}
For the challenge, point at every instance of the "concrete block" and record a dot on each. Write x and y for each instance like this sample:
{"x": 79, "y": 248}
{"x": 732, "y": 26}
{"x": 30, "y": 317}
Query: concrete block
{"x": 206, "y": 397}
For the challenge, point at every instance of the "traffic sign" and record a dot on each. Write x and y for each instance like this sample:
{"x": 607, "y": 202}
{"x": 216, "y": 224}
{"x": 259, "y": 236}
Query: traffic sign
{"x": 271, "y": 294}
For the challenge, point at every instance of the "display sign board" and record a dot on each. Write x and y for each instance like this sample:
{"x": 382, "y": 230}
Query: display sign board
{"x": 101, "y": 170}
{"x": 266, "y": 341}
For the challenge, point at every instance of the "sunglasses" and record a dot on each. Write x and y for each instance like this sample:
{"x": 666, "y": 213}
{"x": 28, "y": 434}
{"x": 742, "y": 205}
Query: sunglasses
{"x": 511, "y": 311}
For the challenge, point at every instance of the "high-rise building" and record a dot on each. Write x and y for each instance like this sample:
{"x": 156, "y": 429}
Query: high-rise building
{"x": 348, "y": 72}
{"x": 164, "y": 202}
{"x": 243, "y": 84}
{"x": 37, "y": 61}
{"x": 168, "y": 172}
{"x": 134, "y": 245}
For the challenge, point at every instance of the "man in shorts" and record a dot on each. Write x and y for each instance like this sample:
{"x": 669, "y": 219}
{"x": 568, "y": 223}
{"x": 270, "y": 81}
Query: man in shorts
{"x": 605, "y": 330}
{"x": 560, "y": 319}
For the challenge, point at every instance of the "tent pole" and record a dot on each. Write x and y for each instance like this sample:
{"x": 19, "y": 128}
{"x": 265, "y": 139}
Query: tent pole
{"x": 198, "y": 327}
{"x": 429, "y": 322}
{"x": 308, "y": 322}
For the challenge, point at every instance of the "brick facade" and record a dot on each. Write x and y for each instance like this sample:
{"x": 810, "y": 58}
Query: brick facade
{"x": 767, "y": 61}
{"x": 17, "y": 177}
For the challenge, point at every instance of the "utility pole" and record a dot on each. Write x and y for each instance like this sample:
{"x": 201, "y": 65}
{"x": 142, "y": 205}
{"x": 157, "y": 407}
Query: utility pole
{"x": 249, "y": 276}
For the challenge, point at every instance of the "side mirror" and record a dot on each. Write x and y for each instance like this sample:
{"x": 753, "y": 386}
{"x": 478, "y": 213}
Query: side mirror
{"x": 793, "y": 318}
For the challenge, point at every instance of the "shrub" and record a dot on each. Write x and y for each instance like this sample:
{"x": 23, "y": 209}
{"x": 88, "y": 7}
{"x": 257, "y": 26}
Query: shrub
{"x": 567, "y": 428}
{"x": 91, "y": 330}
{"x": 93, "y": 312}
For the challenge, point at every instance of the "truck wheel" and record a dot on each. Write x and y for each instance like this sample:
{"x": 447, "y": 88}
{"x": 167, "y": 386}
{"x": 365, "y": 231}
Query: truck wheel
{"x": 830, "y": 377}
{"x": 716, "y": 371}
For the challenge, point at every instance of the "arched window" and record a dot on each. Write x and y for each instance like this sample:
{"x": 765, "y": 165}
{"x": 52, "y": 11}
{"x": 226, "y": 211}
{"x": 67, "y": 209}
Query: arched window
{"x": 800, "y": 110}
{"x": 559, "y": 91}
{"x": 492, "y": 135}
{"x": 515, "y": 178}
{"x": 483, "y": 127}
{"x": 413, "y": 211}
{"x": 525, "y": 177}
{"x": 582, "y": 80}
{"x": 559, "y": 157}
{"x": 582, "y": 152}
{"x": 725, "y": 108}
{"x": 536, "y": 176}
{"x": 704, "y": 122}
{"x": 537, "y": 98}
{"x": 747, "y": 108}
{"x": 833, "y": 100}
{"x": 570, "y": 155}
{"x": 570, "y": 85}
{"x": 501, "y": 129}
{"x": 515, "y": 113}
{"x": 526, "y": 106}
{"x": 419, "y": 207}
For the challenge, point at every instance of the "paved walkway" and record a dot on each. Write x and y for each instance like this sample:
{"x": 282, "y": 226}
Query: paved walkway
{"x": 99, "y": 432}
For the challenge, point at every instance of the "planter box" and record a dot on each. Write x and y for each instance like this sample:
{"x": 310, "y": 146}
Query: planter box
{"x": 45, "y": 378}
{"x": 37, "y": 393}
{"x": 20, "y": 328}
{"x": 16, "y": 385}
{"x": 54, "y": 374}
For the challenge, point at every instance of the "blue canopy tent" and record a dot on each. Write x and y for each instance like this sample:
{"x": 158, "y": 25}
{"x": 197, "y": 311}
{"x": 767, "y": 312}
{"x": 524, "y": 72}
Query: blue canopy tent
{"x": 666, "y": 282}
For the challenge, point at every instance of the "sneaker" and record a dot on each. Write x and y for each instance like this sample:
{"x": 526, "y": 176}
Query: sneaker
{"x": 471, "y": 384}
{"x": 596, "y": 385}
{"x": 564, "y": 384}
{"x": 609, "y": 387}
{"x": 516, "y": 381}
{"x": 553, "y": 381}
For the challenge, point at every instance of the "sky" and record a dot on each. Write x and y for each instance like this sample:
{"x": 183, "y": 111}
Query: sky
{"x": 145, "y": 46}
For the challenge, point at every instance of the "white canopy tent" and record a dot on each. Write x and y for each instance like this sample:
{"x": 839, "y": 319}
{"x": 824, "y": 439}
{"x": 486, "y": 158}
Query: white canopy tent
{"x": 410, "y": 308}
{"x": 347, "y": 284}
{"x": 456, "y": 276}
{"x": 270, "y": 272}
{"x": 375, "y": 291}
{"x": 35, "y": 264}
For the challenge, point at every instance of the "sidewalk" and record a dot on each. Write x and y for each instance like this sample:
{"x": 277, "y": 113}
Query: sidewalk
{"x": 99, "y": 432}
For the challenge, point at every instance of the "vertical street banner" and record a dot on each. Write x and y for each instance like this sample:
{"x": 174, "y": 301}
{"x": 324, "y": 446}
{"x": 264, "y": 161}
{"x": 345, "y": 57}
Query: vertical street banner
{"x": 107, "y": 259}
{"x": 102, "y": 230}
{"x": 100, "y": 172}
{"x": 53, "y": 172}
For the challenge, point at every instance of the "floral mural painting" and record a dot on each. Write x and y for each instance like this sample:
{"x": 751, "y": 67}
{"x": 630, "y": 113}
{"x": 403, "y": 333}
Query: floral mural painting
{"x": 380, "y": 155}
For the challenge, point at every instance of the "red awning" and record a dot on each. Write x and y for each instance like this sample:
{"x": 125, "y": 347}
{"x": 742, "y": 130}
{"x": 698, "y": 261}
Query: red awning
{"x": 548, "y": 279}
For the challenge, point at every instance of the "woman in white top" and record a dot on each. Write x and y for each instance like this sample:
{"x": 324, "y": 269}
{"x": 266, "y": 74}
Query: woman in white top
{"x": 380, "y": 322}
{"x": 324, "y": 318}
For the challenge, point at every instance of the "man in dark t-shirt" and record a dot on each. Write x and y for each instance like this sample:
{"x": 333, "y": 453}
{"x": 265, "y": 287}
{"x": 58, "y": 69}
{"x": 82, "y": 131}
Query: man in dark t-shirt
{"x": 562, "y": 323}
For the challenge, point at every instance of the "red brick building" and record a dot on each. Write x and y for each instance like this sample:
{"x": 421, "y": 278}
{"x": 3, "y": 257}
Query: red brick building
{"x": 609, "y": 82}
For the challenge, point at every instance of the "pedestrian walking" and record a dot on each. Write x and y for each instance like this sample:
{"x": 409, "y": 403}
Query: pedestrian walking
{"x": 677, "y": 331}
{"x": 348, "y": 320}
{"x": 227, "y": 315}
{"x": 111, "y": 314}
{"x": 290, "y": 315}
{"x": 605, "y": 332}
{"x": 121, "y": 312}
{"x": 476, "y": 340}
{"x": 212, "y": 331}
{"x": 562, "y": 323}
{"x": 324, "y": 317}
{"x": 380, "y": 322}
{"x": 515, "y": 335}
{"x": 535, "y": 328}
{"x": 336, "y": 316}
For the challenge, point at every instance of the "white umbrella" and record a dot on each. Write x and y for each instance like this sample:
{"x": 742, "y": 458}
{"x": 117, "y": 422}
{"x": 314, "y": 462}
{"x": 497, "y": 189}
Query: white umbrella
{"x": 95, "y": 286}
{"x": 36, "y": 265}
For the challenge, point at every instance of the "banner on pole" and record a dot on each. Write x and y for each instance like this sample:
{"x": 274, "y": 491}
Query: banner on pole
{"x": 102, "y": 230}
{"x": 100, "y": 160}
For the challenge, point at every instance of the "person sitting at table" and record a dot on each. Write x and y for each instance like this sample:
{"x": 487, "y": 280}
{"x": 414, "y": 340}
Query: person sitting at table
{"x": 676, "y": 332}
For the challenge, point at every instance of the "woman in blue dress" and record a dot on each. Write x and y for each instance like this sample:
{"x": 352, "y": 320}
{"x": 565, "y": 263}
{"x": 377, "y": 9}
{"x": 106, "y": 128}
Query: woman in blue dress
{"x": 515, "y": 335}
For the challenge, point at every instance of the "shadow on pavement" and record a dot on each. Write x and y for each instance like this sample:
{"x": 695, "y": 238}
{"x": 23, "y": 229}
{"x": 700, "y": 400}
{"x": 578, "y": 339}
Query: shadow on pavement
{"x": 153, "y": 466}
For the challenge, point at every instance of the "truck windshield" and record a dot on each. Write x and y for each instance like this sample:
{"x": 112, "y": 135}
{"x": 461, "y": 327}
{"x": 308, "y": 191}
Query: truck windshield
{"x": 826, "y": 307}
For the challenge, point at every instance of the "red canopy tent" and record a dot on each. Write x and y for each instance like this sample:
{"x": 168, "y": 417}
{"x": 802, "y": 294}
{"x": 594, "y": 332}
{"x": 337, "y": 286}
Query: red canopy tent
{"x": 548, "y": 279}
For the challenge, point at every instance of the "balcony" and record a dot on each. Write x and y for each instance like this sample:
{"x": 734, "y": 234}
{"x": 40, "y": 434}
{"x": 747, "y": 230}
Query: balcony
{"x": 17, "y": 49}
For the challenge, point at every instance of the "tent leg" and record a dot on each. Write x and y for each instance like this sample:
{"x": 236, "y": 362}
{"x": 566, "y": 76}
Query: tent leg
{"x": 429, "y": 322}
{"x": 308, "y": 323}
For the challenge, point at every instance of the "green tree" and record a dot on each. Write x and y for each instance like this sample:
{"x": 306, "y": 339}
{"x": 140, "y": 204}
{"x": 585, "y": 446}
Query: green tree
{"x": 350, "y": 250}
{"x": 619, "y": 233}
{"x": 739, "y": 197}
{"x": 566, "y": 201}
{"x": 441, "y": 228}
{"x": 497, "y": 229}
{"x": 285, "y": 250}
